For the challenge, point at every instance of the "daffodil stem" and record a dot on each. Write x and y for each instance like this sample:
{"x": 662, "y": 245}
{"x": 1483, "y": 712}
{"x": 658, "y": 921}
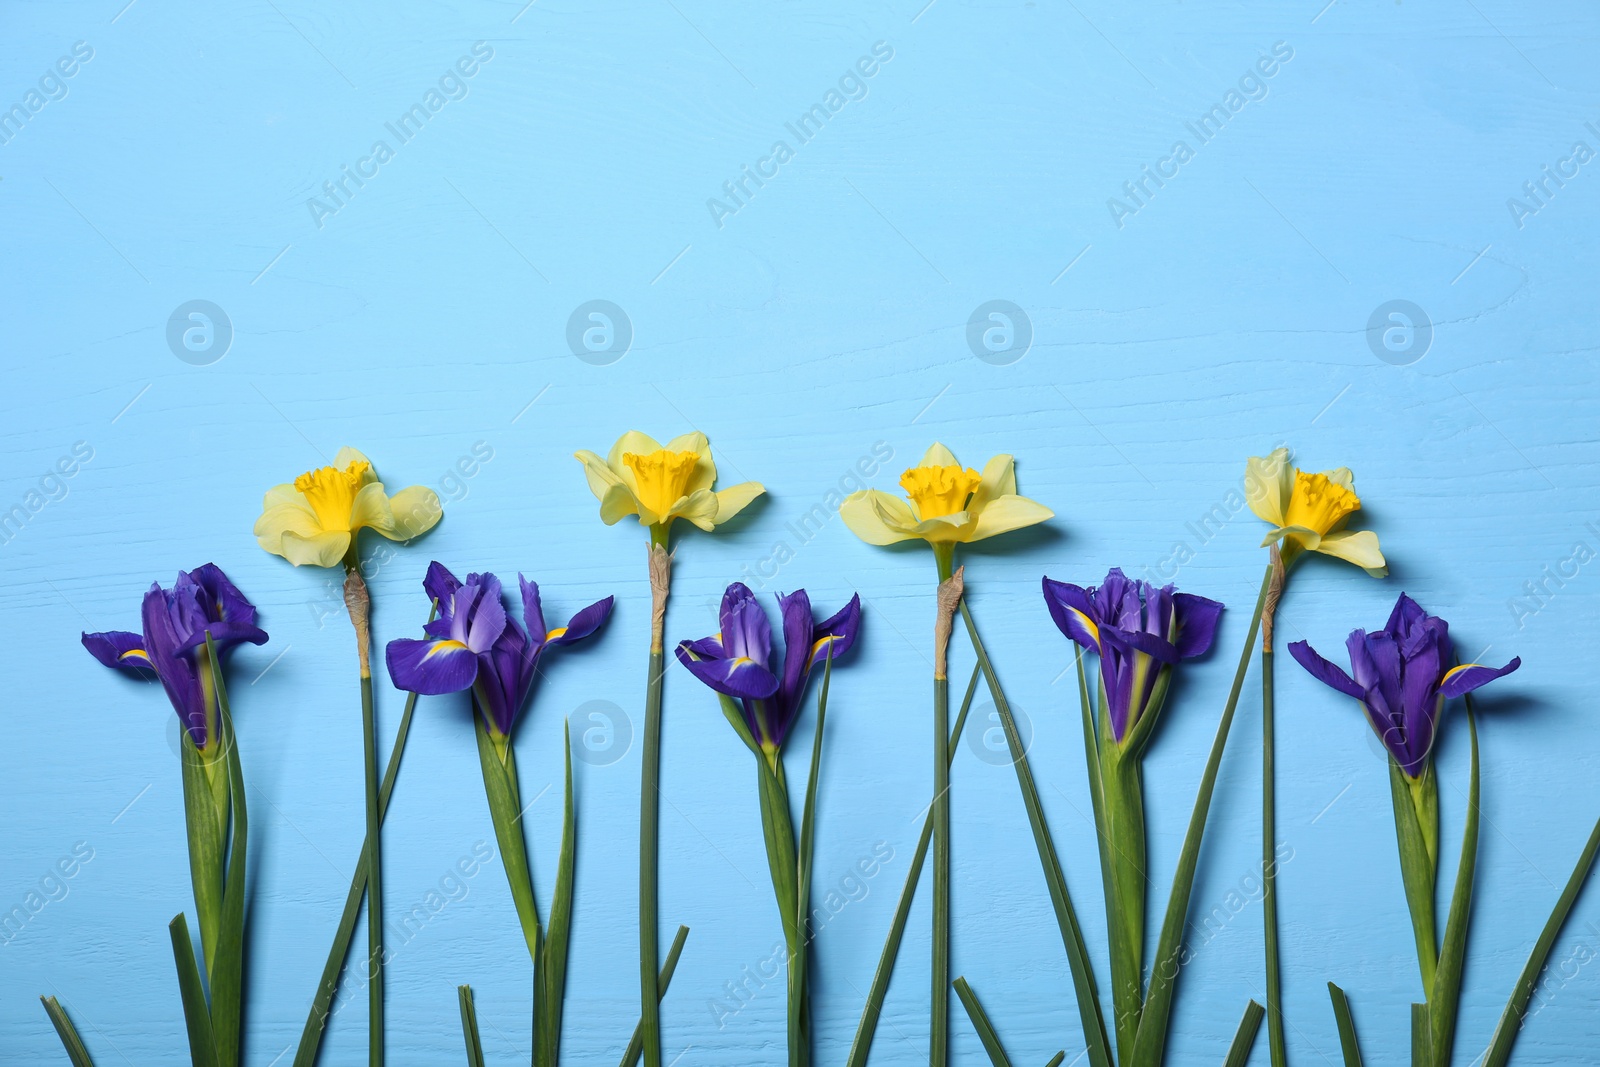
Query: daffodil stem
{"x": 1269, "y": 867}
{"x": 950, "y": 588}
{"x": 359, "y": 604}
{"x": 650, "y": 804}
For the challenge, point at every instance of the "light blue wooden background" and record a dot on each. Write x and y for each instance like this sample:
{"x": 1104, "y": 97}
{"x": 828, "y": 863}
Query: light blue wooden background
{"x": 428, "y": 315}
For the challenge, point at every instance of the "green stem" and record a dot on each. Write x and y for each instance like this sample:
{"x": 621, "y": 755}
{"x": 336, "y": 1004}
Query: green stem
{"x": 1348, "y": 1044}
{"x": 76, "y": 1052}
{"x": 939, "y": 1005}
{"x": 1125, "y": 907}
{"x": 1269, "y": 865}
{"x": 469, "y": 1026}
{"x": 981, "y": 1023}
{"x": 649, "y": 820}
{"x": 369, "y": 746}
{"x": 1244, "y": 1038}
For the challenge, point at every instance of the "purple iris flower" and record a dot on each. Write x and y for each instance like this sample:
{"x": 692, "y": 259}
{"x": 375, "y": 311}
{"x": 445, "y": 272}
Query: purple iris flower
{"x": 1402, "y": 677}
{"x": 737, "y": 661}
{"x": 474, "y": 645}
{"x": 172, "y": 646}
{"x": 1137, "y": 630}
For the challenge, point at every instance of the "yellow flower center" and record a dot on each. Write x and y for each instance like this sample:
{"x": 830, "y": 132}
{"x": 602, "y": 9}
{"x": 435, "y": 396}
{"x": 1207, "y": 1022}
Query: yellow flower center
{"x": 331, "y": 492}
{"x": 939, "y": 491}
{"x": 661, "y": 478}
{"x": 1318, "y": 503}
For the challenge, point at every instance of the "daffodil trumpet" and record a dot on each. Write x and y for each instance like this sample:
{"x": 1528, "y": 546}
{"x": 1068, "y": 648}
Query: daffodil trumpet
{"x": 946, "y": 504}
{"x": 316, "y": 520}
{"x": 658, "y": 485}
{"x": 187, "y": 632}
{"x": 1308, "y": 513}
{"x": 762, "y": 705}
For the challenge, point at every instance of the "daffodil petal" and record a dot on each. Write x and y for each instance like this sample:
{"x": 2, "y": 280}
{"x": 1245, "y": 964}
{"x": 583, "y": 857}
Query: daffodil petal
{"x": 416, "y": 510}
{"x": 319, "y": 550}
{"x": 1008, "y": 513}
{"x": 736, "y": 498}
{"x": 699, "y": 507}
{"x": 1268, "y": 481}
{"x": 599, "y": 476}
{"x": 1341, "y": 476}
{"x": 348, "y": 455}
{"x": 865, "y": 513}
{"x": 633, "y": 441}
{"x": 938, "y": 456}
{"x": 616, "y": 503}
{"x": 279, "y": 520}
{"x": 282, "y": 494}
{"x": 999, "y": 479}
{"x": 1303, "y": 535}
{"x": 371, "y": 511}
{"x": 1356, "y": 546}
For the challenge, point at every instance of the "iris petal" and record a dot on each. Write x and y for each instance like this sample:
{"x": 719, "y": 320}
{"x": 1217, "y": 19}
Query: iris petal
{"x": 1469, "y": 676}
{"x": 431, "y": 668}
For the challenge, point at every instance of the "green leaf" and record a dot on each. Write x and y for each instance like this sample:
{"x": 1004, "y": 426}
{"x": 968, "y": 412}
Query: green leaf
{"x": 202, "y": 1043}
{"x": 1094, "y": 1027}
{"x": 1511, "y": 1020}
{"x": 636, "y": 1046}
{"x": 1269, "y": 865}
{"x": 1125, "y": 907}
{"x": 1347, "y": 1026}
{"x": 469, "y": 1027}
{"x": 873, "y": 1009}
{"x": 553, "y": 965}
{"x": 205, "y": 811}
{"x": 799, "y": 994}
{"x": 1152, "y": 1042}
{"x": 1417, "y": 873}
{"x": 76, "y": 1052}
{"x": 227, "y": 977}
{"x": 980, "y": 1023}
{"x": 939, "y": 999}
{"x": 1445, "y": 1002}
{"x": 505, "y": 810}
{"x": 1244, "y": 1039}
{"x": 1055, "y": 1061}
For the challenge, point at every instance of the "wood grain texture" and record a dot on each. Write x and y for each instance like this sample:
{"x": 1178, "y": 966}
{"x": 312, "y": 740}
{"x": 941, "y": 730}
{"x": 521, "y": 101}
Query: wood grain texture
{"x": 826, "y": 316}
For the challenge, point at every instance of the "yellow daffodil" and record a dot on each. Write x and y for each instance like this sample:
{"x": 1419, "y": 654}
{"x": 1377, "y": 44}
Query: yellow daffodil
{"x": 948, "y": 504}
{"x": 315, "y": 518}
{"x": 659, "y": 484}
{"x": 1309, "y": 511}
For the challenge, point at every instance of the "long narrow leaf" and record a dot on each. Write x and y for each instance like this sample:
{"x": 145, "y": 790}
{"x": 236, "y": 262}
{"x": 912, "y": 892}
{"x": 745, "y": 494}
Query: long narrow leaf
{"x": 202, "y": 1043}
{"x": 980, "y": 1023}
{"x": 799, "y": 994}
{"x": 1347, "y": 1026}
{"x": 316, "y": 1019}
{"x": 1445, "y": 1002}
{"x": 76, "y": 1052}
{"x": 1511, "y": 1020}
{"x": 227, "y": 977}
{"x": 505, "y": 810}
{"x": 1088, "y": 997}
{"x": 1419, "y": 1036}
{"x": 469, "y": 1026}
{"x": 1244, "y": 1039}
{"x": 873, "y": 1009}
{"x": 1055, "y": 1061}
{"x": 553, "y": 964}
{"x": 1152, "y": 1043}
{"x": 636, "y": 1046}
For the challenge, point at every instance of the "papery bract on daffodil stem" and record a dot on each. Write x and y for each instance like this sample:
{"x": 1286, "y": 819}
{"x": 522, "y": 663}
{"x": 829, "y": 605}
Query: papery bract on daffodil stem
{"x": 315, "y": 519}
{"x": 1403, "y": 676}
{"x": 658, "y": 484}
{"x": 172, "y": 646}
{"x": 1309, "y": 512}
{"x": 737, "y": 661}
{"x": 946, "y": 503}
{"x": 1137, "y": 630}
{"x": 474, "y": 645}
